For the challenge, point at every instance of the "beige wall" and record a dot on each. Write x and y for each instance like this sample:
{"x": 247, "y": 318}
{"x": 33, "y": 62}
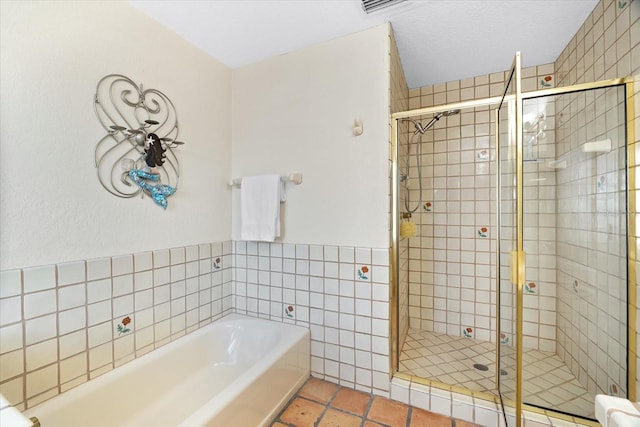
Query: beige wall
{"x": 75, "y": 259}
{"x": 53, "y": 208}
{"x": 295, "y": 112}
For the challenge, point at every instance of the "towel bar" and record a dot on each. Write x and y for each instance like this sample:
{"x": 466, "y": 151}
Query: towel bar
{"x": 296, "y": 178}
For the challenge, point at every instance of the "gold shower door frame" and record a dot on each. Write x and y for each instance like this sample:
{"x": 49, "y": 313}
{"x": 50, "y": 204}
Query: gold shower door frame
{"x": 516, "y": 254}
{"x": 394, "y": 344}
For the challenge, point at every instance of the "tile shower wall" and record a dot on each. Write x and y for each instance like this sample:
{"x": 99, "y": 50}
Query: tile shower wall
{"x": 606, "y": 46}
{"x": 62, "y": 325}
{"x": 340, "y": 293}
{"x": 539, "y": 233}
{"x": 451, "y": 263}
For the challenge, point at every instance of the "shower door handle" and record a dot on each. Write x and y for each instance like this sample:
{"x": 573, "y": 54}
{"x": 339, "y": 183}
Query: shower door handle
{"x": 517, "y": 267}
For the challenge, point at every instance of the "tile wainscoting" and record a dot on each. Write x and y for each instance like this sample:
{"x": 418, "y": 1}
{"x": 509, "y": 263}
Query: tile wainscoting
{"x": 340, "y": 293}
{"x": 62, "y": 325}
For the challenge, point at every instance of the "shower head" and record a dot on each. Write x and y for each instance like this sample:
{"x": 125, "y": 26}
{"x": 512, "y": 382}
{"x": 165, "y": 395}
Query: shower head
{"x": 437, "y": 117}
{"x": 422, "y": 129}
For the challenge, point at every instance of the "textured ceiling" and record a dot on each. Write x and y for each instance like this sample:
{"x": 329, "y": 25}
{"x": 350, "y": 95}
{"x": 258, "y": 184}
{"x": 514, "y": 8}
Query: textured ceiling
{"x": 438, "y": 40}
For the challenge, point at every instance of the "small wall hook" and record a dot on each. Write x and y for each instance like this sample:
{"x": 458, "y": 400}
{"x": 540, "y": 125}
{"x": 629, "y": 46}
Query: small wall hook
{"x": 357, "y": 127}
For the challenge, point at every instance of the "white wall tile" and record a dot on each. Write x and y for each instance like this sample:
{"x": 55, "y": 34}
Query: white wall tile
{"x": 122, "y": 264}
{"x": 99, "y": 290}
{"x": 13, "y": 392}
{"x": 11, "y": 364}
{"x": 73, "y": 367}
{"x": 41, "y": 380}
{"x": 177, "y": 255}
{"x": 161, "y": 258}
{"x": 346, "y": 254}
{"x": 98, "y": 312}
{"x": 99, "y": 334}
{"x": 11, "y": 338}
{"x": 10, "y": 283}
{"x": 72, "y": 343}
{"x": 40, "y": 329}
{"x": 10, "y": 310}
{"x": 41, "y": 354}
{"x": 71, "y": 272}
{"x": 39, "y": 303}
{"x": 100, "y": 356}
{"x": 39, "y": 278}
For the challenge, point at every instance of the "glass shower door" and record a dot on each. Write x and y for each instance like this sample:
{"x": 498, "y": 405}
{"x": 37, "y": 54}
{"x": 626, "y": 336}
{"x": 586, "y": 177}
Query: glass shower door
{"x": 575, "y": 235}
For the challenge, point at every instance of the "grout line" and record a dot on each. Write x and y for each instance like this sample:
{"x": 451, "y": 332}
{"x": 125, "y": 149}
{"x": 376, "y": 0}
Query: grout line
{"x": 327, "y": 405}
{"x": 365, "y": 416}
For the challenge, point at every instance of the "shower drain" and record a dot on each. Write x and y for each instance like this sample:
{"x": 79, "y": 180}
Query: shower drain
{"x": 481, "y": 367}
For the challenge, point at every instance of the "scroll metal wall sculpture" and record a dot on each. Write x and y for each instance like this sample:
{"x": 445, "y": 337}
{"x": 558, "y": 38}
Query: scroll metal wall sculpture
{"x": 136, "y": 156}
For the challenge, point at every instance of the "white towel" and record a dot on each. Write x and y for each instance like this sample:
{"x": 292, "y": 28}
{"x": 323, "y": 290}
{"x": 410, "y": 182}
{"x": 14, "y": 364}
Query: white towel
{"x": 260, "y": 198}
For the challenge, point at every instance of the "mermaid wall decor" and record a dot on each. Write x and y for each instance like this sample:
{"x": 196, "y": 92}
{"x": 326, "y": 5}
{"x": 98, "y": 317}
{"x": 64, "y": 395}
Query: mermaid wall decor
{"x": 136, "y": 155}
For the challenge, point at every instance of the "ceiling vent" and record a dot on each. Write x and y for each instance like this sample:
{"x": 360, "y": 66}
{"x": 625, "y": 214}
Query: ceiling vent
{"x": 370, "y": 6}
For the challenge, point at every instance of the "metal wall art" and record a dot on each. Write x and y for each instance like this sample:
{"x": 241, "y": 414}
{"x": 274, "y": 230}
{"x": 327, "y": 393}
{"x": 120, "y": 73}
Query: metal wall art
{"x": 136, "y": 156}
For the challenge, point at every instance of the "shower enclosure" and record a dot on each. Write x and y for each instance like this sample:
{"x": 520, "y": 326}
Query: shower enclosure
{"x": 518, "y": 282}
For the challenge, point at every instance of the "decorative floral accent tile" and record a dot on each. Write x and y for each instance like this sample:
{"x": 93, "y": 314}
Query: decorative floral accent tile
{"x": 427, "y": 207}
{"x": 483, "y": 232}
{"x": 483, "y": 155}
{"x": 288, "y": 311}
{"x": 622, "y": 4}
{"x": 547, "y": 81}
{"x": 613, "y": 390}
{"x": 530, "y": 288}
{"x": 575, "y": 286}
{"x": 217, "y": 264}
{"x": 504, "y": 339}
{"x": 467, "y": 332}
{"x": 362, "y": 273}
{"x": 602, "y": 184}
{"x": 122, "y": 327}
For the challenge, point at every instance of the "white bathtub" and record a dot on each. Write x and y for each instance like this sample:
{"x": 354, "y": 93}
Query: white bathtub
{"x": 238, "y": 371}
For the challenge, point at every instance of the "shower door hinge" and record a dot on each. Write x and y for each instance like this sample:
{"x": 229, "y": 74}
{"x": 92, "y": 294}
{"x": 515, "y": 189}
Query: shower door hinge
{"x": 517, "y": 267}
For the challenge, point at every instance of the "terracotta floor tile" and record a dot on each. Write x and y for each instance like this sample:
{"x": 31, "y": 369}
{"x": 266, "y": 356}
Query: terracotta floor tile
{"x": 318, "y": 390}
{"x": 302, "y": 413}
{"x": 333, "y": 418}
{"x": 351, "y": 400}
{"x": 420, "y": 417}
{"x": 277, "y": 424}
{"x": 369, "y": 423}
{"x": 388, "y": 412}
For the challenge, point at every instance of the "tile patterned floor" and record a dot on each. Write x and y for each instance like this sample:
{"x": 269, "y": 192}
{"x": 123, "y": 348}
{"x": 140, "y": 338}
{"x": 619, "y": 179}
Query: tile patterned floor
{"x": 449, "y": 359}
{"x": 323, "y": 404}
{"x": 547, "y": 381}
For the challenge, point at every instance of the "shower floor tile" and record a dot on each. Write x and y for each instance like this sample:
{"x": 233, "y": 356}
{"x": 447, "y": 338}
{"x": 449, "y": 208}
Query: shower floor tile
{"x": 547, "y": 381}
{"x": 449, "y": 359}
